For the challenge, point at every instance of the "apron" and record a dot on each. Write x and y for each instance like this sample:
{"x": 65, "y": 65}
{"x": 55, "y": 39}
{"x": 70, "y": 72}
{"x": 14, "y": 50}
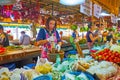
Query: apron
{"x": 90, "y": 45}
{"x": 46, "y": 47}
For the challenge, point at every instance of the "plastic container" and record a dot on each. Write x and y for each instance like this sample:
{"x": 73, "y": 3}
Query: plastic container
{"x": 10, "y": 66}
{"x": 72, "y": 52}
{"x": 43, "y": 77}
{"x": 29, "y": 66}
{"x": 68, "y": 59}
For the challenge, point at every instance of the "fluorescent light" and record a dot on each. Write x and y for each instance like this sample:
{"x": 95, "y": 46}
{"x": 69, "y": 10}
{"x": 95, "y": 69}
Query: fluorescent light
{"x": 105, "y": 14}
{"x": 118, "y": 18}
{"x": 71, "y": 2}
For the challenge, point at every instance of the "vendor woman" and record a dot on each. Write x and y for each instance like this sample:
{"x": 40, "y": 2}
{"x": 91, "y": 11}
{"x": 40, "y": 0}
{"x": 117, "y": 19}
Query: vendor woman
{"x": 47, "y": 36}
{"x": 90, "y": 36}
{"x": 4, "y": 41}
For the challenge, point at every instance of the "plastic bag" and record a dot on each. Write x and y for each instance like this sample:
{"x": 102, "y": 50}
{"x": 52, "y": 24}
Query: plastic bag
{"x": 43, "y": 66}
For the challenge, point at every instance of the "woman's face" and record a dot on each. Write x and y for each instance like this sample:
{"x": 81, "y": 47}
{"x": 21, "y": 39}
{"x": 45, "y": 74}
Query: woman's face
{"x": 51, "y": 24}
{"x": 93, "y": 27}
{"x": 1, "y": 31}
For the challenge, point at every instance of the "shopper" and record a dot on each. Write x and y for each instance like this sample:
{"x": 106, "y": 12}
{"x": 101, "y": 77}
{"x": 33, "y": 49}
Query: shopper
{"x": 90, "y": 35}
{"x": 105, "y": 33}
{"x": 98, "y": 32}
{"x": 24, "y": 39}
{"x": 99, "y": 29}
{"x": 4, "y": 41}
{"x": 47, "y": 36}
{"x": 110, "y": 35}
{"x": 75, "y": 35}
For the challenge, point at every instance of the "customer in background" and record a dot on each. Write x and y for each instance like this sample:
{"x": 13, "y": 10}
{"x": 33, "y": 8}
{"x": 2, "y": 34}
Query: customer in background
{"x": 90, "y": 35}
{"x": 98, "y": 32}
{"x": 4, "y": 41}
{"x": 99, "y": 29}
{"x": 105, "y": 33}
{"x": 24, "y": 39}
{"x": 110, "y": 35}
{"x": 74, "y": 38}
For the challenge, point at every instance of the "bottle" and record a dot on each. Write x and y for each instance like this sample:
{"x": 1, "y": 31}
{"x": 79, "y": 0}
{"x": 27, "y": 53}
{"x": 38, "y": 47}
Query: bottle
{"x": 58, "y": 60}
{"x": 107, "y": 44}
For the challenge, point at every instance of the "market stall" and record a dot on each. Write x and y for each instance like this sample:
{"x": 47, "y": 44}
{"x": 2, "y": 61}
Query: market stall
{"x": 13, "y": 56}
{"x": 70, "y": 60}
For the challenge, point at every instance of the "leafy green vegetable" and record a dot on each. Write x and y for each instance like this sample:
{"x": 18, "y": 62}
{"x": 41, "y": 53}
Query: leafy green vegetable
{"x": 74, "y": 27}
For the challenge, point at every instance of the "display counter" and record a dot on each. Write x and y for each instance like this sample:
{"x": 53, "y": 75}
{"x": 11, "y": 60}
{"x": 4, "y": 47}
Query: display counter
{"x": 19, "y": 55}
{"x": 12, "y": 56}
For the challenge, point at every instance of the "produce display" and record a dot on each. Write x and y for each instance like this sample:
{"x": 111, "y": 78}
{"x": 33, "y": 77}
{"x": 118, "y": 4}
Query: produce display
{"x": 70, "y": 68}
{"x": 82, "y": 41}
{"x": 25, "y": 47}
{"x": 103, "y": 70}
{"x": 107, "y": 55}
{"x": 19, "y": 47}
{"x": 79, "y": 69}
{"x": 115, "y": 48}
{"x": 12, "y": 48}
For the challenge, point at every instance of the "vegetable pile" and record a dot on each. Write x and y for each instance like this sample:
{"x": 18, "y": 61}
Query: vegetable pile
{"x": 107, "y": 55}
{"x": 2, "y": 50}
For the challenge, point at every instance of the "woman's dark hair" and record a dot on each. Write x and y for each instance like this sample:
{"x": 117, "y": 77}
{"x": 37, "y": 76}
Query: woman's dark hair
{"x": 23, "y": 32}
{"x": 89, "y": 24}
{"x": 48, "y": 20}
{"x": 1, "y": 27}
{"x": 98, "y": 25}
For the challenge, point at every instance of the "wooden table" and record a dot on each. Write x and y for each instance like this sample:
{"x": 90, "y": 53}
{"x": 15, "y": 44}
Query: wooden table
{"x": 19, "y": 55}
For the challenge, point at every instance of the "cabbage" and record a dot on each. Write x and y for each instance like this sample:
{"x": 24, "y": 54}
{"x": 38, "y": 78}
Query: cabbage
{"x": 82, "y": 76}
{"x": 115, "y": 48}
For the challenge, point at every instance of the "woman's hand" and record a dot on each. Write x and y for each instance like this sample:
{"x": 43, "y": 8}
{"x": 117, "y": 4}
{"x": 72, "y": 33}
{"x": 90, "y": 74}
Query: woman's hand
{"x": 41, "y": 42}
{"x": 51, "y": 39}
{"x": 58, "y": 47}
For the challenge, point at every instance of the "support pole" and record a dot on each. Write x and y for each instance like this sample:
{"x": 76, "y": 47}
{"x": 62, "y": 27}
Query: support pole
{"x": 52, "y": 9}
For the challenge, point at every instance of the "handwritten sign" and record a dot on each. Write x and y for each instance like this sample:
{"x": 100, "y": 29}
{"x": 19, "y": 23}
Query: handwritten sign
{"x": 97, "y": 10}
{"x": 86, "y": 8}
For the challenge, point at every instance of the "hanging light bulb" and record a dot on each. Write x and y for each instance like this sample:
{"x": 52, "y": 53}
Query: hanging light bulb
{"x": 71, "y": 2}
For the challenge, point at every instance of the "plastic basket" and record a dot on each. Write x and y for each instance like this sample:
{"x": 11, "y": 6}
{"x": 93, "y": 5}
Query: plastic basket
{"x": 52, "y": 56}
{"x": 72, "y": 52}
{"x": 43, "y": 77}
